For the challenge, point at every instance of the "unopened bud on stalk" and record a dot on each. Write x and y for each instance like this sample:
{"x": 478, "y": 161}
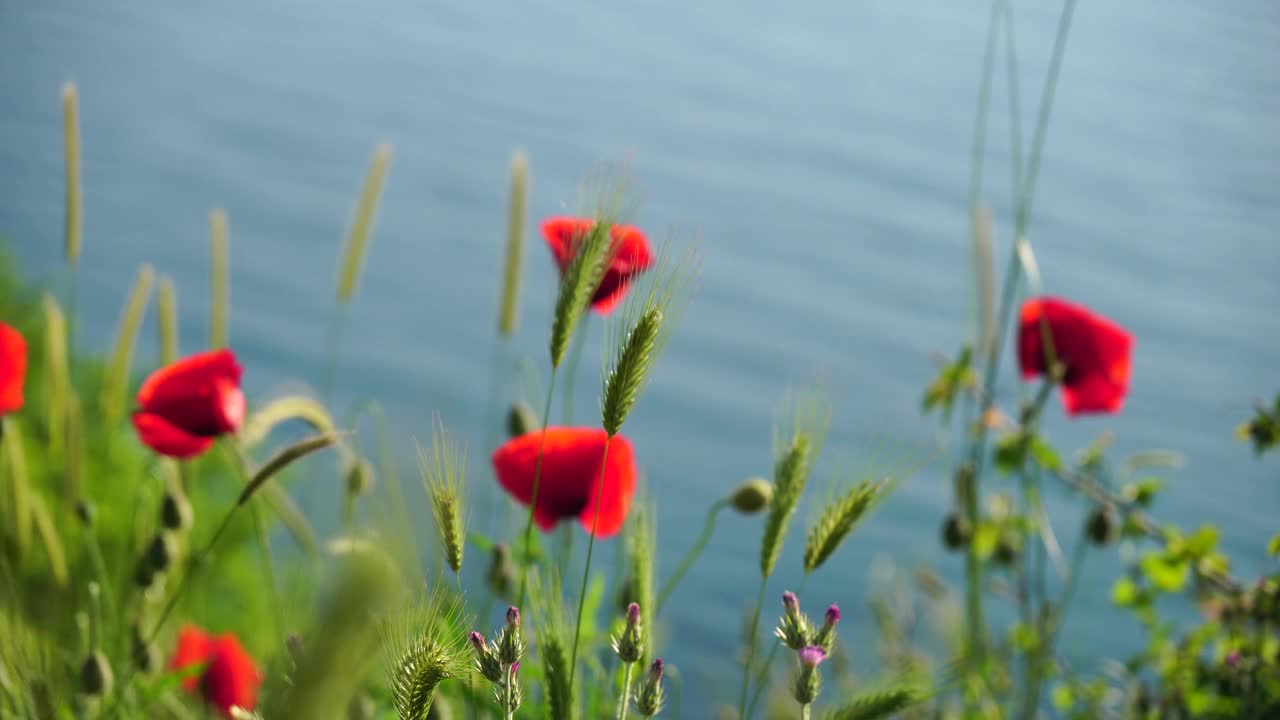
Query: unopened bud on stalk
{"x": 827, "y": 633}
{"x": 1007, "y": 548}
{"x": 650, "y": 697}
{"x": 955, "y": 532}
{"x": 162, "y": 551}
{"x": 752, "y": 496}
{"x": 85, "y": 512}
{"x": 175, "y": 511}
{"x": 809, "y": 682}
{"x": 521, "y": 420}
{"x": 146, "y": 656}
{"x": 359, "y": 477}
{"x": 486, "y": 658}
{"x": 1102, "y": 526}
{"x": 629, "y": 646}
{"x": 511, "y": 639}
{"x": 95, "y": 675}
{"x": 794, "y": 629}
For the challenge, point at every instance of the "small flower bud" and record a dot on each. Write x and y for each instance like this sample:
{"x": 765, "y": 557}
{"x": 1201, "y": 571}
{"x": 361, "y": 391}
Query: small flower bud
{"x": 513, "y": 617}
{"x": 812, "y": 656}
{"x": 146, "y": 656}
{"x": 794, "y": 629}
{"x": 629, "y": 646}
{"x": 1102, "y": 526}
{"x": 511, "y": 638}
{"x": 85, "y": 512}
{"x": 486, "y": 659}
{"x": 144, "y": 575}
{"x": 790, "y": 603}
{"x": 650, "y": 697}
{"x": 1007, "y": 548}
{"x": 809, "y": 681}
{"x": 752, "y": 496}
{"x": 633, "y": 614}
{"x": 827, "y": 633}
{"x": 955, "y": 532}
{"x": 521, "y": 420}
{"x": 162, "y": 551}
{"x": 175, "y": 511}
{"x": 95, "y": 675}
{"x": 477, "y": 642}
{"x": 359, "y": 477}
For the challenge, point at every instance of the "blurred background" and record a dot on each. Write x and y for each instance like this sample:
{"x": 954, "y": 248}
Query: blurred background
{"x": 820, "y": 155}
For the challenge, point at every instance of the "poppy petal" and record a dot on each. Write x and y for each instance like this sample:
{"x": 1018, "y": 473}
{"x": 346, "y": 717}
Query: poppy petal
{"x": 13, "y": 368}
{"x": 194, "y": 647}
{"x": 189, "y": 376}
{"x": 615, "y": 493}
{"x": 1094, "y": 393}
{"x": 563, "y": 235}
{"x": 168, "y": 439}
{"x": 232, "y": 678}
{"x": 631, "y": 253}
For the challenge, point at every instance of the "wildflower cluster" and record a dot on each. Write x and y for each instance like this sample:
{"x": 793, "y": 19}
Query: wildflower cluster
{"x": 811, "y": 645}
{"x": 498, "y": 661}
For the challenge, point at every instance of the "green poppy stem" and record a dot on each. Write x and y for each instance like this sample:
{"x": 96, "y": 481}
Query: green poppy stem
{"x": 586, "y": 570}
{"x": 537, "y": 479}
{"x": 708, "y": 527}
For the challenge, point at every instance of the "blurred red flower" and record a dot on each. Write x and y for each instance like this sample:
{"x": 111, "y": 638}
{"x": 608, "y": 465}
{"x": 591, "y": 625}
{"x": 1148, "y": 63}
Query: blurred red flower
{"x": 571, "y": 461}
{"x": 631, "y": 257}
{"x": 1094, "y": 350}
{"x": 13, "y": 368}
{"x": 184, "y": 406}
{"x": 229, "y": 677}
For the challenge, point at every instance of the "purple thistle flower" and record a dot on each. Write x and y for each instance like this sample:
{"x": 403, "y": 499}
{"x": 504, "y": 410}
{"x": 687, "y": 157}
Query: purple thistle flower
{"x": 633, "y": 614}
{"x": 515, "y": 668}
{"x": 790, "y": 603}
{"x": 477, "y": 641}
{"x": 812, "y": 655}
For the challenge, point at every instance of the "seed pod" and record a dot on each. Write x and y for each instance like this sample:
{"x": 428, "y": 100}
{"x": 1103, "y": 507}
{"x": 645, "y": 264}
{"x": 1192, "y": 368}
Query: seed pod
{"x": 85, "y": 512}
{"x": 752, "y": 496}
{"x": 95, "y": 675}
{"x": 146, "y": 656}
{"x": 162, "y": 551}
{"x": 956, "y": 532}
{"x": 144, "y": 575}
{"x": 1102, "y": 526}
{"x": 176, "y": 512}
{"x": 359, "y": 477}
{"x": 521, "y": 420}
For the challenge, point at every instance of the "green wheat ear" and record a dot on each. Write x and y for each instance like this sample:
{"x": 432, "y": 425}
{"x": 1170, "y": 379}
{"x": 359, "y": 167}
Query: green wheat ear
{"x": 641, "y": 331}
{"x": 74, "y": 228}
{"x": 838, "y": 519}
{"x": 362, "y": 225}
{"x": 513, "y": 264}
{"x": 219, "y": 280}
{"x": 881, "y": 703}
{"x": 57, "y": 373}
{"x": 422, "y": 647}
{"x": 577, "y": 285}
{"x": 797, "y": 442}
{"x": 116, "y": 381}
{"x": 553, "y": 643}
{"x": 444, "y": 472}
{"x": 167, "y": 309}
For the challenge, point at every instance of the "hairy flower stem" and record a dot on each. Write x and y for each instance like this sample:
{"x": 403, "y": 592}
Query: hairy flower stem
{"x": 586, "y": 569}
{"x": 537, "y": 478}
{"x": 694, "y": 553}
{"x": 751, "y": 649}
{"x": 762, "y": 677}
{"x": 624, "y": 700}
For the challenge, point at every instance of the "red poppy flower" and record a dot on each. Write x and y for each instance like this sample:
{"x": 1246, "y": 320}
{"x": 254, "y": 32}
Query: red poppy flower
{"x": 229, "y": 678}
{"x": 1094, "y": 350}
{"x": 184, "y": 406}
{"x": 13, "y": 368}
{"x": 630, "y": 258}
{"x": 570, "y": 476}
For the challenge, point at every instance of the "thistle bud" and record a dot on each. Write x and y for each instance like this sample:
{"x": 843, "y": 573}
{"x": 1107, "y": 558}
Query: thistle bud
{"x": 650, "y": 697}
{"x": 95, "y": 675}
{"x": 1102, "y": 526}
{"x": 827, "y": 633}
{"x": 629, "y": 646}
{"x": 85, "y": 512}
{"x": 502, "y": 575}
{"x": 790, "y": 603}
{"x": 752, "y": 496}
{"x": 486, "y": 659}
{"x": 955, "y": 532}
{"x": 521, "y": 420}
{"x": 175, "y": 511}
{"x": 511, "y": 639}
{"x": 809, "y": 681}
{"x": 161, "y": 552}
{"x": 793, "y": 628}
{"x": 359, "y": 477}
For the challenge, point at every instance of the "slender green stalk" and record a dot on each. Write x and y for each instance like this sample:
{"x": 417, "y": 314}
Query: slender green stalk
{"x": 100, "y": 569}
{"x": 751, "y": 649}
{"x": 762, "y": 677}
{"x": 196, "y": 562}
{"x": 571, "y": 370}
{"x": 537, "y": 479}
{"x": 333, "y": 346}
{"x": 586, "y": 570}
{"x": 708, "y": 527}
{"x": 624, "y": 700}
{"x": 804, "y": 712}
{"x": 268, "y": 567}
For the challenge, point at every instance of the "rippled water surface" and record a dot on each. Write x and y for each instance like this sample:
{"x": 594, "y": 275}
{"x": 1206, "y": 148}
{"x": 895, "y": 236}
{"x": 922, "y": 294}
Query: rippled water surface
{"x": 820, "y": 152}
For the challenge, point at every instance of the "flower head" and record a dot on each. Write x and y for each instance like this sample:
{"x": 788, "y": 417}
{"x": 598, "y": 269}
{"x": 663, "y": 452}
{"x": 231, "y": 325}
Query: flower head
{"x": 185, "y": 405}
{"x": 833, "y": 615}
{"x": 812, "y": 655}
{"x": 1093, "y": 350}
{"x": 631, "y": 256}
{"x": 513, "y": 616}
{"x": 570, "y": 478}
{"x": 229, "y": 678}
{"x": 633, "y": 614}
{"x": 790, "y": 604}
{"x": 13, "y": 368}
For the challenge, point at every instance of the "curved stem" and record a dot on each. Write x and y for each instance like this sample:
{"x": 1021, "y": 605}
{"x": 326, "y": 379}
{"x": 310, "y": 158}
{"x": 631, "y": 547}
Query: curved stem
{"x": 624, "y": 702}
{"x": 196, "y": 562}
{"x": 751, "y": 650}
{"x": 708, "y": 527}
{"x": 537, "y": 479}
{"x": 586, "y": 570}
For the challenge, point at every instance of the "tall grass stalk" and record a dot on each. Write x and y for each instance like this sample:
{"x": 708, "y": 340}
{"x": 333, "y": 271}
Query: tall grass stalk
{"x": 115, "y": 383}
{"x": 167, "y": 309}
{"x": 219, "y": 280}
{"x": 73, "y": 216}
{"x": 586, "y": 571}
{"x": 513, "y": 263}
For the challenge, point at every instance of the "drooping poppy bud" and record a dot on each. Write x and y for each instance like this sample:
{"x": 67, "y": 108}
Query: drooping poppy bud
{"x": 752, "y": 496}
{"x": 1102, "y": 526}
{"x": 521, "y": 420}
{"x": 955, "y": 532}
{"x": 96, "y": 677}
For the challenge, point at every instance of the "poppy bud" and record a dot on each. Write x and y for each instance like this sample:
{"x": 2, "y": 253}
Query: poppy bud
{"x": 752, "y": 496}
{"x": 161, "y": 552}
{"x": 1102, "y": 526}
{"x": 95, "y": 675}
{"x": 1007, "y": 548}
{"x": 359, "y": 477}
{"x": 501, "y": 575}
{"x": 175, "y": 511}
{"x": 955, "y": 532}
{"x": 85, "y": 512}
{"x": 144, "y": 575}
{"x": 146, "y": 656}
{"x": 651, "y": 697}
{"x": 521, "y": 420}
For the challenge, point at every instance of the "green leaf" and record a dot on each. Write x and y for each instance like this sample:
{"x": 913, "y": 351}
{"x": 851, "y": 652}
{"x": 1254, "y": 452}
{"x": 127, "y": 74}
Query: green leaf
{"x": 1024, "y": 637}
{"x": 480, "y": 542}
{"x": 1167, "y": 574}
{"x": 1202, "y": 541}
{"x": 1010, "y": 451}
{"x": 1063, "y": 697}
{"x": 1125, "y": 592}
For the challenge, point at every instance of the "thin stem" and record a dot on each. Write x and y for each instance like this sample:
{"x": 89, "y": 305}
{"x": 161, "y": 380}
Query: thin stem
{"x": 586, "y": 570}
{"x": 751, "y": 649}
{"x": 193, "y": 565}
{"x": 268, "y": 567}
{"x": 624, "y": 701}
{"x": 100, "y": 569}
{"x": 804, "y": 711}
{"x": 1046, "y": 110}
{"x": 571, "y": 369}
{"x": 708, "y": 527}
{"x": 511, "y": 682}
{"x": 537, "y": 479}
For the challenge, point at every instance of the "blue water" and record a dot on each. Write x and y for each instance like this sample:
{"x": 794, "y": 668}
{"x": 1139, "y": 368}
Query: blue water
{"x": 820, "y": 154}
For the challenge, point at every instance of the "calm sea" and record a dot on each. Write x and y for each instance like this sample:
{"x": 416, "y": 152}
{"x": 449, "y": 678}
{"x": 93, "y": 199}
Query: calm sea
{"x": 819, "y": 152}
